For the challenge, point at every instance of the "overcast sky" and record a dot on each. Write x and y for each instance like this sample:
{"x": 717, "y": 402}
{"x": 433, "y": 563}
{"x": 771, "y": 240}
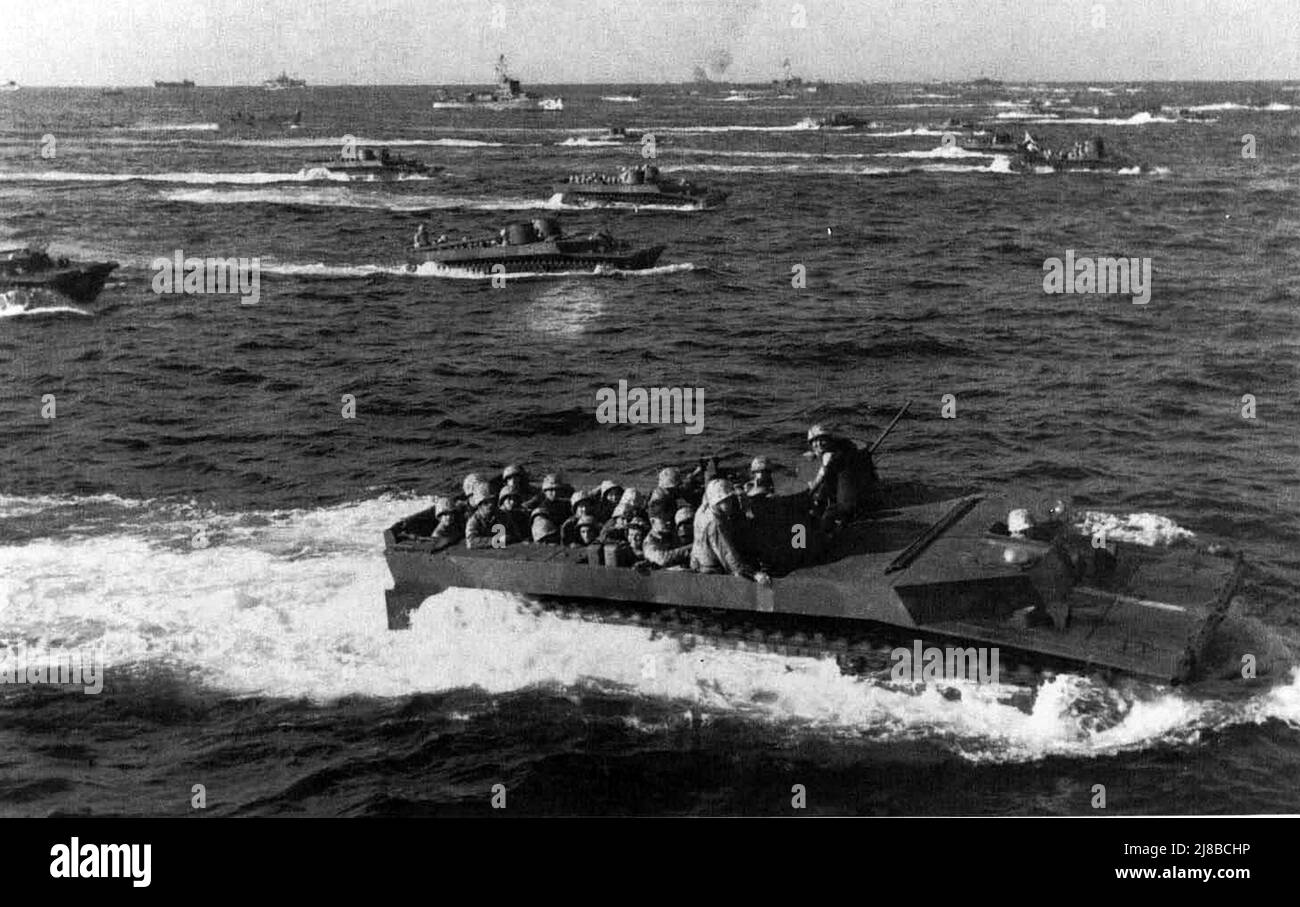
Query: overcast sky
{"x": 224, "y": 42}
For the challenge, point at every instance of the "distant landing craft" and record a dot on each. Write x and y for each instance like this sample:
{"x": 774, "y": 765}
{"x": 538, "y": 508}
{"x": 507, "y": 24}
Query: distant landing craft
{"x": 185, "y": 83}
{"x": 283, "y": 82}
{"x": 11, "y": 85}
{"x": 536, "y": 247}
{"x": 375, "y": 164}
{"x": 633, "y": 188}
{"x": 31, "y": 268}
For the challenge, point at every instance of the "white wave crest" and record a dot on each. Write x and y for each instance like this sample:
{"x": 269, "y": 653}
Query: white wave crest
{"x": 290, "y": 604}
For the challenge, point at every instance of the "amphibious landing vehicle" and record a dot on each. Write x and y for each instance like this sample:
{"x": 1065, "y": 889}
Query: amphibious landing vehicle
{"x": 375, "y": 164}
{"x": 31, "y": 268}
{"x": 636, "y": 187}
{"x": 1084, "y": 156}
{"x": 921, "y": 565}
{"x": 534, "y": 247}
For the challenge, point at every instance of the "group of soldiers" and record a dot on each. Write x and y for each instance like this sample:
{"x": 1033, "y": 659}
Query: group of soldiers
{"x": 690, "y": 520}
{"x": 1092, "y": 149}
{"x": 625, "y": 176}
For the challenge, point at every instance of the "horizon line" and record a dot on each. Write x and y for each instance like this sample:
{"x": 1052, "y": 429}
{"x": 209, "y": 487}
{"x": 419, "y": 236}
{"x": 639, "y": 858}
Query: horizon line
{"x": 692, "y": 83}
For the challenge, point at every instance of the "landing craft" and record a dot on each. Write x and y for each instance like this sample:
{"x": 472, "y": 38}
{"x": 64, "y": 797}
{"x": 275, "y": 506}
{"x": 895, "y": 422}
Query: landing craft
{"x": 636, "y": 187}
{"x": 919, "y": 565}
{"x": 838, "y": 120}
{"x": 534, "y": 247}
{"x": 1084, "y": 156}
{"x": 375, "y": 164}
{"x": 33, "y": 268}
{"x": 995, "y": 143}
{"x": 283, "y": 82}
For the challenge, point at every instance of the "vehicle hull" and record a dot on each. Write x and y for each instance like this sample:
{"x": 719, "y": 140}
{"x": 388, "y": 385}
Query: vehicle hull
{"x": 1152, "y": 617}
{"x": 542, "y": 257}
{"x": 81, "y": 283}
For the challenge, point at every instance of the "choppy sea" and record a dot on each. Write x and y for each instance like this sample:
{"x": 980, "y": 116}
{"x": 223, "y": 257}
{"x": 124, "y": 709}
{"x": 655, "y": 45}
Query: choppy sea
{"x": 257, "y": 662}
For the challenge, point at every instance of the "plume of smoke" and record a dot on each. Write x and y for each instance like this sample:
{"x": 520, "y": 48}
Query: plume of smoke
{"x": 726, "y": 23}
{"x": 720, "y": 61}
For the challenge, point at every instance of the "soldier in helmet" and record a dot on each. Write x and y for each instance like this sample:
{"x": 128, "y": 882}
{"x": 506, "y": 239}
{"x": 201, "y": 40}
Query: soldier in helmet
{"x": 545, "y": 531}
{"x": 512, "y": 515}
{"x": 684, "y": 523}
{"x": 665, "y": 500}
{"x": 588, "y": 530}
{"x": 845, "y": 480}
{"x": 583, "y": 504}
{"x": 714, "y": 549}
{"x": 462, "y": 501}
{"x": 449, "y": 530}
{"x": 479, "y": 528}
{"x": 556, "y": 507}
{"x": 761, "y": 483}
{"x": 629, "y": 506}
{"x": 663, "y": 547}
{"x": 636, "y": 536}
{"x": 607, "y": 497}
{"x": 515, "y": 477}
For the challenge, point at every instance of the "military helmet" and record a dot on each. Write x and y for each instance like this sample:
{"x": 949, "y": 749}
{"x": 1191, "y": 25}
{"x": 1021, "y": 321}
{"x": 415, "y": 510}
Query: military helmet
{"x": 542, "y": 527}
{"x": 514, "y": 469}
{"x": 638, "y": 522}
{"x": 822, "y": 430}
{"x": 482, "y": 494}
{"x": 683, "y": 515}
{"x": 759, "y": 464}
{"x": 551, "y": 481}
{"x": 1019, "y": 520}
{"x": 472, "y": 481}
{"x": 718, "y": 490}
{"x": 578, "y": 497}
{"x": 669, "y": 478}
{"x": 587, "y": 520}
{"x": 442, "y": 507}
{"x": 507, "y": 492}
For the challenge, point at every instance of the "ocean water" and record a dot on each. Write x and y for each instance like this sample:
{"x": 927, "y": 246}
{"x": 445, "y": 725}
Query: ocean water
{"x": 200, "y": 514}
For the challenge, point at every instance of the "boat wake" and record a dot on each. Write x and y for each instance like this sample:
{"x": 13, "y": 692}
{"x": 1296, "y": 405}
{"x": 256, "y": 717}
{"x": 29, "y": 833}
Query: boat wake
{"x": 943, "y": 151}
{"x": 428, "y": 269}
{"x": 431, "y": 269}
{"x": 339, "y": 197}
{"x": 1001, "y": 164}
{"x": 556, "y": 203}
{"x": 202, "y": 178}
{"x": 20, "y": 303}
{"x": 918, "y": 130}
{"x": 171, "y": 127}
{"x": 289, "y": 604}
{"x": 1275, "y": 107}
{"x": 1142, "y": 118}
{"x": 587, "y": 142}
